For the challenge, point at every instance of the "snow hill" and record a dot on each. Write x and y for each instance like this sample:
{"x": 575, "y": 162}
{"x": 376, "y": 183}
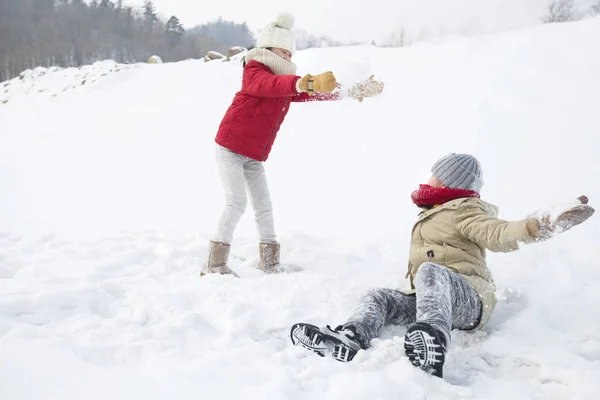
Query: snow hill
{"x": 109, "y": 195}
{"x": 47, "y": 83}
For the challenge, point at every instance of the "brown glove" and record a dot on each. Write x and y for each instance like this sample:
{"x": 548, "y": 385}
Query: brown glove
{"x": 544, "y": 227}
{"x": 321, "y": 83}
{"x": 367, "y": 88}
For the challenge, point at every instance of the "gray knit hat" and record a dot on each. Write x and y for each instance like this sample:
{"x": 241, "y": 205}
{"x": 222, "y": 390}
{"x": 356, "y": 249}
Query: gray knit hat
{"x": 459, "y": 171}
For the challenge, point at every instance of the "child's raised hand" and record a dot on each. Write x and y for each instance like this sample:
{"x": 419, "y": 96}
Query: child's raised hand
{"x": 367, "y": 88}
{"x": 565, "y": 217}
{"x": 321, "y": 83}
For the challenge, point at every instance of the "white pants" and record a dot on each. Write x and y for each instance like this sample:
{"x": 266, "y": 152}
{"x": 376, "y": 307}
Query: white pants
{"x": 238, "y": 173}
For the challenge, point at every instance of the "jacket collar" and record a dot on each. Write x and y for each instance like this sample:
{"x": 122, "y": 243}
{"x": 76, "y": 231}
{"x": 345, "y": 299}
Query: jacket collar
{"x": 454, "y": 204}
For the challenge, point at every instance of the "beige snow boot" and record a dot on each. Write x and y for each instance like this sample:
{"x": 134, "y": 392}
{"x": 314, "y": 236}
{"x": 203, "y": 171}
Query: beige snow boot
{"x": 218, "y": 253}
{"x": 269, "y": 257}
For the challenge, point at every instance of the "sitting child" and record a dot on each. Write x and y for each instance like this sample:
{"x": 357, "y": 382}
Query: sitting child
{"x": 451, "y": 285}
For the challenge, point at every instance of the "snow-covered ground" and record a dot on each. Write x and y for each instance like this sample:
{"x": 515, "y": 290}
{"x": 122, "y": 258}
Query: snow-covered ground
{"x": 109, "y": 195}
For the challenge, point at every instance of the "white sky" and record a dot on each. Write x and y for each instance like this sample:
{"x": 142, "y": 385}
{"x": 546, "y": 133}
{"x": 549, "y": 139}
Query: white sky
{"x": 365, "y": 20}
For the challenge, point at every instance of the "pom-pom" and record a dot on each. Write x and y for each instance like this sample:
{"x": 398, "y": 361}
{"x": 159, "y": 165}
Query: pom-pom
{"x": 285, "y": 20}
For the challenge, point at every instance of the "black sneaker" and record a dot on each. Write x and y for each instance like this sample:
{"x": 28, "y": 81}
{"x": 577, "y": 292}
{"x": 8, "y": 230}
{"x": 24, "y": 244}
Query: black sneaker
{"x": 425, "y": 347}
{"x": 341, "y": 344}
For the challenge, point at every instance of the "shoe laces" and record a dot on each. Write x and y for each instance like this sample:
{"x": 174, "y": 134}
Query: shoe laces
{"x": 348, "y": 331}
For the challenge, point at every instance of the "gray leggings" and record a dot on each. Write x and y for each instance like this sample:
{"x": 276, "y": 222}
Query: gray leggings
{"x": 241, "y": 175}
{"x": 444, "y": 299}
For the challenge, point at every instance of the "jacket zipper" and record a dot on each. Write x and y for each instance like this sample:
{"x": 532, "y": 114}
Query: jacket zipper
{"x": 420, "y": 219}
{"x": 274, "y": 129}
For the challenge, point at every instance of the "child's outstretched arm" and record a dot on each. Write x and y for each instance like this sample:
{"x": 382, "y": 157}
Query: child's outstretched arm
{"x": 259, "y": 82}
{"x": 475, "y": 223}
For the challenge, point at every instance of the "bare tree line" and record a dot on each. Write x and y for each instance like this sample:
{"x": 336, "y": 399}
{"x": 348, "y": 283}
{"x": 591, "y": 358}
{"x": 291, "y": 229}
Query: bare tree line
{"x": 566, "y": 10}
{"x": 71, "y": 33}
{"x": 595, "y": 9}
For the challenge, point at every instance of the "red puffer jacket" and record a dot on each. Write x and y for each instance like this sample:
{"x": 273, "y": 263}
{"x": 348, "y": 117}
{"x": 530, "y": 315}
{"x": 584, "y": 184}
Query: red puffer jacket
{"x": 251, "y": 123}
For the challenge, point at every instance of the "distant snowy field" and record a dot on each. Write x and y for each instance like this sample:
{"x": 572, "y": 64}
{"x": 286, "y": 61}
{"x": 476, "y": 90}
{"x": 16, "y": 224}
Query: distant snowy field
{"x": 110, "y": 195}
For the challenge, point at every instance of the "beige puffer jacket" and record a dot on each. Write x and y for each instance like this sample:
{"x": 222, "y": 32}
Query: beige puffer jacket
{"x": 456, "y": 235}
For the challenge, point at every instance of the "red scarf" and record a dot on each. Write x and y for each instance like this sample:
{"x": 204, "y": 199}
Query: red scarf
{"x": 429, "y": 196}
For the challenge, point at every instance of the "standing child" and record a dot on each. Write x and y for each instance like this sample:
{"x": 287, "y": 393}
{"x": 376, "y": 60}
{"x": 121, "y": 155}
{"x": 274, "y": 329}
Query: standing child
{"x": 451, "y": 285}
{"x": 248, "y": 131}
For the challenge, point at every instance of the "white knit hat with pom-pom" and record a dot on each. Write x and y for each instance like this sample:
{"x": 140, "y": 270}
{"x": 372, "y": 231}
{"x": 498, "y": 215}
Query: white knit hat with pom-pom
{"x": 278, "y": 34}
